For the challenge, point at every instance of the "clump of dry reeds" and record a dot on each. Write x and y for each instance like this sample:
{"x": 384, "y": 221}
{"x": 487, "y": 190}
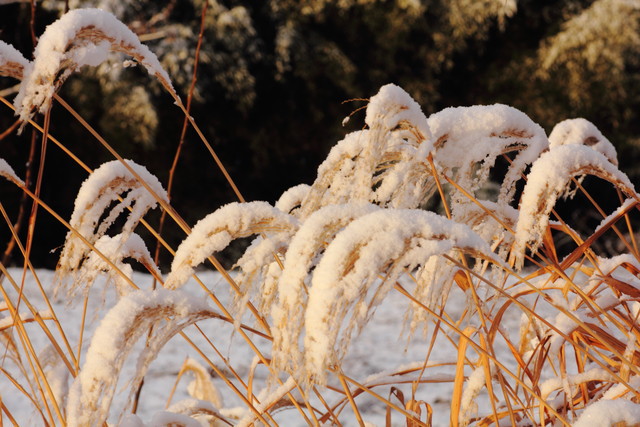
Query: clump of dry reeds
{"x": 326, "y": 255}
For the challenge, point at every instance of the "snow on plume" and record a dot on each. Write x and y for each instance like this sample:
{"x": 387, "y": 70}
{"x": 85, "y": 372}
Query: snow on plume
{"x": 116, "y": 249}
{"x": 259, "y": 270}
{"x": 90, "y": 396}
{"x": 394, "y": 157}
{"x": 392, "y": 106}
{"x": 488, "y": 220}
{"x": 12, "y": 63}
{"x": 582, "y": 132}
{"x": 469, "y": 136}
{"x": 549, "y": 177}
{"x": 291, "y": 199}
{"x": 215, "y": 231}
{"x": 384, "y": 243}
{"x": 335, "y": 174}
{"x": 80, "y": 37}
{"x": 474, "y": 385}
{"x": 385, "y": 163}
{"x": 98, "y": 192}
{"x": 303, "y": 253}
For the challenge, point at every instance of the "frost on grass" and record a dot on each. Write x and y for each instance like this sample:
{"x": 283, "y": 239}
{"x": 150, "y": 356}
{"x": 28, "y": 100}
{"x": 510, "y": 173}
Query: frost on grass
{"x": 169, "y": 311}
{"x": 108, "y": 192}
{"x": 346, "y": 279}
{"x": 549, "y": 177}
{"x": 214, "y": 232}
{"x": 12, "y": 63}
{"x": 80, "y": 37}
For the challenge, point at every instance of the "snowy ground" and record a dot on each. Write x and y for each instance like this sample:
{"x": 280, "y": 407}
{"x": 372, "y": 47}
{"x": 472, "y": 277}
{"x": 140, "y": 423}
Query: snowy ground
{"x": 381, "y": 347}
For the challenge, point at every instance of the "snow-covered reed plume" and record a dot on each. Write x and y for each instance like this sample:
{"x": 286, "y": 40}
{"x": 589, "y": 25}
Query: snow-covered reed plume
{"x": 385, "y": 163}
{"x": 550, "y": 176}
{"x": 291, "y": 200}
{"x": 91, "y": 394}
{"x": 582, "y": 132}
{"x": 303, "y": 254}
{"x": 103, "y": 197}
{"x": 116, "y": 249}
{"x": 491, "y": 221}
{"x": 214, "y": 232}
{"x": 383, "y": 243}
{"x": 80, "y": 37}
{"x": 468, "y": 140}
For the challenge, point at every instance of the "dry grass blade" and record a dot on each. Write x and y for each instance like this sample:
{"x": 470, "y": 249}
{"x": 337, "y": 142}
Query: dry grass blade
{"x": 456, "y": 398}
